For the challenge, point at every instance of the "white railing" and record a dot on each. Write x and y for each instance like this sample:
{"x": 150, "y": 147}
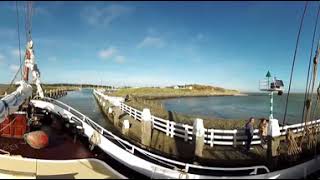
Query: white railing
{"x": 132, "y": 148}
{"x": 212, "y": 136}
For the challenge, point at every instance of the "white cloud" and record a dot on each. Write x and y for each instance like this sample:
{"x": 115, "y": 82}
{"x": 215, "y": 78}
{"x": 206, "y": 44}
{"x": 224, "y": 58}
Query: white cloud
{"x": 151, "y": 42}
{"x": 104, "y": 16}
{"x": 14, "y": 67}
{"x": 112, "y": 53}
{"x": 119, "y": 59}
{"x": 107, "y": 53}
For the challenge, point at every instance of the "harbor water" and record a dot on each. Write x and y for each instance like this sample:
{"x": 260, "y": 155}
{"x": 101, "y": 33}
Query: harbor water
{"x": 241, "y": 107}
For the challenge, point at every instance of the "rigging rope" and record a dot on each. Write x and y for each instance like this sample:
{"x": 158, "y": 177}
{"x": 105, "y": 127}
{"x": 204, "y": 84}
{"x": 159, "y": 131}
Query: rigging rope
{"x": 28, "y": 24}
{"x": 293, "y": 63}
{"x": 20, "y": 67}
{"x": 19, "y": 39}
{"x": 308, "y": 131}
{"x": 309, "y": 67}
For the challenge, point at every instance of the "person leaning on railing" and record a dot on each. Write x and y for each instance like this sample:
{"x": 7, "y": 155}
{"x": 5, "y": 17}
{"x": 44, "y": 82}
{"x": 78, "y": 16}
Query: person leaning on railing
{"x": 249, "y": 132}
{"x": 263, "y": 129}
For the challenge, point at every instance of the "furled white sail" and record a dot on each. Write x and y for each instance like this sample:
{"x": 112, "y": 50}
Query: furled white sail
{"x": 11, "y": 103}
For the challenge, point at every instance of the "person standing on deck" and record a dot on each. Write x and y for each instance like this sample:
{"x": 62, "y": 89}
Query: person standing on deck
{"x": 263, "y": 129}
{"x": 249, "y": 132}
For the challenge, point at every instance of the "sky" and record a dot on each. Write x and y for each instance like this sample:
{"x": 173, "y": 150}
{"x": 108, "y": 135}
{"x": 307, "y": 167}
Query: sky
{"x": 226, "y": 44}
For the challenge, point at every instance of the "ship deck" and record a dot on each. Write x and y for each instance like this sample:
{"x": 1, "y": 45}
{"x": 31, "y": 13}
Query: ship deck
{"x": 62, "y": 158}
{"x": 61, "y": 147}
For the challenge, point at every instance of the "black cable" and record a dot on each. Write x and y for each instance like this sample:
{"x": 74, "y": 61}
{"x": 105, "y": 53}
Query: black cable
{"x": 311, "y": 53}
{"x": 294, "y": 59}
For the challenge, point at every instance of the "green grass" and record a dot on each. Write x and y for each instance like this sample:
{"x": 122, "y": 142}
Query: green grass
{"x": 160, "y": 93}
{"x": 148, "y": 98}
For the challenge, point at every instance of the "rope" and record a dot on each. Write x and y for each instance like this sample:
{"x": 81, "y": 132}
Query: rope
{"x": 309, "y": 67}
{"x": 293, "y": 63}
{"x": 8, "y": 125}
{"x": 4, "y": 152}
{"x": 308, "y": 103}
{"x": 293, "y": 148}
{"x": 317, "y": 103}
{"x": 28, "y": 25}
{"x": 20, "y": 67}
{"x": 19, "y": 39}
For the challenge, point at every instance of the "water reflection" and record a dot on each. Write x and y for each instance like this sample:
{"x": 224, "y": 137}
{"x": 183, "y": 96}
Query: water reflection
{"x": 85, "y": 102}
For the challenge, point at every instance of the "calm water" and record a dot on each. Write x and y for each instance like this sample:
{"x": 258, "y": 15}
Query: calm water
{"x": 239, "y": 107}
{"x": 226, "y": 107}
{"x": 85, "y": 102}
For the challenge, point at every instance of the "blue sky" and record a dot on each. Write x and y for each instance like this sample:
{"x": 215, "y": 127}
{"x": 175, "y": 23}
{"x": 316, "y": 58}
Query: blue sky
{"x": 227, "y": 44}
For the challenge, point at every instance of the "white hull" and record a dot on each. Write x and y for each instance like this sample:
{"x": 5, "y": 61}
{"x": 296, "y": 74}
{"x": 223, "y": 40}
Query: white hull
{"x": 13, "y": 167}
{"x": 152, "y": 170}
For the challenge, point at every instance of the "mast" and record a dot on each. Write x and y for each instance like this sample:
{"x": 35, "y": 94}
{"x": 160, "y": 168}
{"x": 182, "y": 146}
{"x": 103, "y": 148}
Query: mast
{"x": 30, "y": 64}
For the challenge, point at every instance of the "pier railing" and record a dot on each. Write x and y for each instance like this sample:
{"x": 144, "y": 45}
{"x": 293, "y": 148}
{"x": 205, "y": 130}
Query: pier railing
{"x": 212, "y": 136}
{"x": 105, "y": 134}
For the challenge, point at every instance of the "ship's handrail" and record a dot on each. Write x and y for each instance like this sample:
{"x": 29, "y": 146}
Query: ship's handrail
{"x": 212, "y": 136}
{"x": 134, "y": 148}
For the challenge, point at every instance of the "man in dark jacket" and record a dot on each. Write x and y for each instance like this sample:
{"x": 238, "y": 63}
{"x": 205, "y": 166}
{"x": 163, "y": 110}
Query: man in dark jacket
{"x": 249, "y": 132}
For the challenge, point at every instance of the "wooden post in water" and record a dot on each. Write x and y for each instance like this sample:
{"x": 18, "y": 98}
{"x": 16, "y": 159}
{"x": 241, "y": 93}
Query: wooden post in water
{"x": 116, "y": 117}
{"x": 125, "y": 127}
{"x": 146, "y": 127}
{"x": 198, "y": 137}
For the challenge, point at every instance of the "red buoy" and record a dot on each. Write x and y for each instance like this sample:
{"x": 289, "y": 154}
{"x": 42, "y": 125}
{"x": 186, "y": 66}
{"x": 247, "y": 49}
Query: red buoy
{"x": 37, "y": 139}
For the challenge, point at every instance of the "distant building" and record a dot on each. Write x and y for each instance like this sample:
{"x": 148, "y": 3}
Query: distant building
{"x": 182, "y": 87}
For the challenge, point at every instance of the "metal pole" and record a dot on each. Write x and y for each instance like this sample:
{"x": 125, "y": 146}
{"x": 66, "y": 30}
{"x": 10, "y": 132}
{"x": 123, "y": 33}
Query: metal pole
{"x": 271, "y": 105}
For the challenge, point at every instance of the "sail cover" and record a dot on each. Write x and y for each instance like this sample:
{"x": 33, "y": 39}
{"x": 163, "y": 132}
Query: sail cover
{"x": 11, "y": 103}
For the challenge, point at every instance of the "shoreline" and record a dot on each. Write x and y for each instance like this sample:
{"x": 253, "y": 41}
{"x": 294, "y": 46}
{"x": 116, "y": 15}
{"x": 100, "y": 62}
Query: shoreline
{"x": 155, "y": 97}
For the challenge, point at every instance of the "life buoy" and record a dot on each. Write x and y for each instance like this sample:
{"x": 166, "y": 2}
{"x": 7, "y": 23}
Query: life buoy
{"x": 37, "y": 139}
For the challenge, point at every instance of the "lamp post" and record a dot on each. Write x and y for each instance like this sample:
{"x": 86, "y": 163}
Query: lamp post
{"x": 268, "y": 75}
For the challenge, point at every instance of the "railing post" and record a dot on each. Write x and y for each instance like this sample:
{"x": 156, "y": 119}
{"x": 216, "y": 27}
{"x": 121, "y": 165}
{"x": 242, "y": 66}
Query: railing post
{"x": 211, "y": 137}
{"x": 172, "y": 130}
{"x": 235, "y": 139}
{"x": 168, "y": 128}
{"x": 273, "y": 141}
{"x": 125, "y": 127}
{"x": 186, "y": 133}
{"x": 135, "y": 114}
{"x": 198, "y": 137}
{"x": 146, "y": 128}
